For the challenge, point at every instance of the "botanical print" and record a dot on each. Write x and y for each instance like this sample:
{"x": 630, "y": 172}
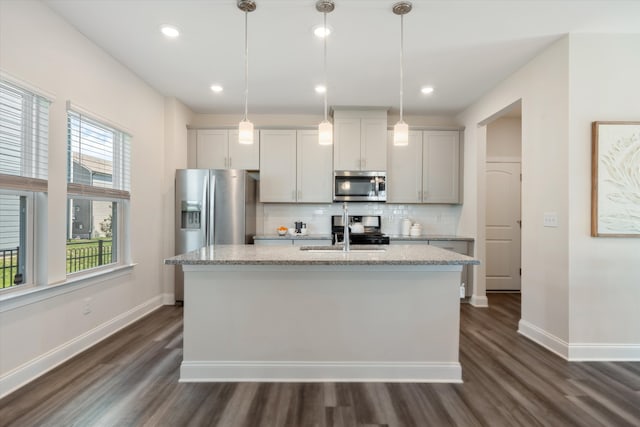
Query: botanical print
{"x": 619, "y": 179}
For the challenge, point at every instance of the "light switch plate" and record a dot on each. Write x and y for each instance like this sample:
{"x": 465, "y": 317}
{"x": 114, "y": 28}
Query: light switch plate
{"x": 550, "y": 219}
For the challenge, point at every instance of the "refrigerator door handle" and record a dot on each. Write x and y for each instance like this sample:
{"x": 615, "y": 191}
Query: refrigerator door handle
{"x": 211, "y": 210}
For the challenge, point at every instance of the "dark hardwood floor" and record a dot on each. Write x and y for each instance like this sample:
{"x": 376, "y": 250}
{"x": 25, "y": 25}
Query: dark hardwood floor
{"x": 131, "y": 379}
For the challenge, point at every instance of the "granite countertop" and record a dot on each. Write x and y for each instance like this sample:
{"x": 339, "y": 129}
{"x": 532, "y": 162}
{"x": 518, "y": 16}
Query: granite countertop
{"x": 434, "y": 237}
{"x": 293, "y": 237}
{"x": 292, "y": 255}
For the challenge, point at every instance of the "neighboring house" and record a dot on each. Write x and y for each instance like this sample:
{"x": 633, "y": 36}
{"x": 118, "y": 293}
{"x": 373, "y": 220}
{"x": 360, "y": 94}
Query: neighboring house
{"x": 9, "y": 221}
{"x": 86, "y": 216}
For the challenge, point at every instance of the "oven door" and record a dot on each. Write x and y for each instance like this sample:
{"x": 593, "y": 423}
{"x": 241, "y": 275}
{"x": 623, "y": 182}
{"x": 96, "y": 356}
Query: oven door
{"x": 359, "y": 186}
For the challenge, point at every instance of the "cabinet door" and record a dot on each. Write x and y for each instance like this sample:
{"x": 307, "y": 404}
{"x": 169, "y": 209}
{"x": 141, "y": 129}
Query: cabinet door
{"x": 244, "y": 156}
{"x": 346, "y": 144}
{"x": 211, "y": 148}
{"x": 404, "y": 172}
{"x": 441, "y": 167}
{"x": 373, "y": 144}
{"x": 314, "y": 169}
{"x": 278, "y": 166}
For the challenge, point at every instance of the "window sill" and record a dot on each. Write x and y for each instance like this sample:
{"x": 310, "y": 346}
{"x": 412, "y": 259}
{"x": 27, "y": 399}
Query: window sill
{"x": 34, "y": 294}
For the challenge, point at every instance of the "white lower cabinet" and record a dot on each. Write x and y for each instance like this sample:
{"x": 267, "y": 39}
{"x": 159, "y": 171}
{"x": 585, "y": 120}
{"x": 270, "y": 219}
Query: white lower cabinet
{"x": 464, "y": 248}
{"x": 294, "y": 168}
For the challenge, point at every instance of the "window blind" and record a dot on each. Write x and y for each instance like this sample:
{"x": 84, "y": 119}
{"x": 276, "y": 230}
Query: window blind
{"x": 98, "y": 158}
{"x": 24, "y": 135}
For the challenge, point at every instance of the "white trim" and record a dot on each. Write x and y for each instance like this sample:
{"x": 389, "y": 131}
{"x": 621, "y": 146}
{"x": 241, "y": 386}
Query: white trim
{"x": 480, "y": 301}
{"x": 604, "y": 352}
{"x": 12, "y": 300}
{"x": 97, "y": 117}
{"x": 297, "y": 371}
{"x": 168, "y": 299}
{"x": 8, "y": 77}
{"x": 504, "y": 159}
{"x": 29, "y": 371}
{"x": 544, "y": 338}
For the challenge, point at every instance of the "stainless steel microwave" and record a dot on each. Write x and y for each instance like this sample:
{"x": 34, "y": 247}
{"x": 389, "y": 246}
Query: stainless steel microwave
{"x": 359, "y": 186}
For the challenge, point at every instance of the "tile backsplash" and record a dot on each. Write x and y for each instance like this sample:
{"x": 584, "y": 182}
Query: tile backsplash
{"x": 435, "y": 219}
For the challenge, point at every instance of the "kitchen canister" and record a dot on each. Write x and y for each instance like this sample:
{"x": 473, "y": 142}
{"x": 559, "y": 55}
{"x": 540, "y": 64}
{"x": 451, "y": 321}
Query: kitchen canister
{"x": 406, "y": 227}
{"x": 416, "y": 230}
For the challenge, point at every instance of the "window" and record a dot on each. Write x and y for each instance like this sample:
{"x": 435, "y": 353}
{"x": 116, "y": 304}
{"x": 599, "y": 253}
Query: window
{"x": 24, "y": 134}
{"x": 98, "y": 192}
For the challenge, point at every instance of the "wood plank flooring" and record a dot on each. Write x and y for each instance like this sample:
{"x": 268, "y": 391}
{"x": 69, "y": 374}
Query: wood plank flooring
{"x": 131, "y": 379}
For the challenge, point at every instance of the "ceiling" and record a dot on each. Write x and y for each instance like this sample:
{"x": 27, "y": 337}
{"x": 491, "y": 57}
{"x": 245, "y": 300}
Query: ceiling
{"x": 461, "y": 48}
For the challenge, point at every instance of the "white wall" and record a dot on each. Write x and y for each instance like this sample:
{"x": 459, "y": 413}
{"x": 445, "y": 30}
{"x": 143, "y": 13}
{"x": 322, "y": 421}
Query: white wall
{"x": 604, "y": 272}
{"x": 38, "y": 47}
{"x": 504, "y": 139}
{"x": 580, "y": 295}
{"x": 542, "y": 85}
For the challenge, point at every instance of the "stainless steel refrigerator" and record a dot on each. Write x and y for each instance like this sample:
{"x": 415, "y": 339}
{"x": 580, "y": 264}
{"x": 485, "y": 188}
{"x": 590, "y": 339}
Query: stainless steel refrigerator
{"x": 213, "y": 207}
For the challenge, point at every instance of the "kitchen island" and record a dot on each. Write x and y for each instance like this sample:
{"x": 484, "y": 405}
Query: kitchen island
{"x": 264, "y": 313}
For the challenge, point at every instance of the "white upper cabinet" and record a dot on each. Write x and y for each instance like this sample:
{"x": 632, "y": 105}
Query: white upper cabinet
{"x": 360, "y": 139}
{"x": 220, "y": 149}
{"x": 404, "y": 174}
{"x": 425, "y": 171}
{"x": 294, "y": 167}
{"x": 441, "y": 167}
{"x": 314, "y": 169}
{"x": 278, "y": 161}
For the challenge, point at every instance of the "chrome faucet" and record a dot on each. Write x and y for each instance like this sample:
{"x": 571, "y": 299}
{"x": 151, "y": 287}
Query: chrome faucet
{"x": 345, "y": 221}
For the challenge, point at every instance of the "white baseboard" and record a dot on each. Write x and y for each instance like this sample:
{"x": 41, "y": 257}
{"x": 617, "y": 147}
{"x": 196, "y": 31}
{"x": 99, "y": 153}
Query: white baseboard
{"x": 168, "y": 299}
{"x": 479, "y": 301}
{"x": 31, "y": 370}
{"x": 604, "y": 352}
{"x": 211, "y": 371}
{"x": 545, "y": 339}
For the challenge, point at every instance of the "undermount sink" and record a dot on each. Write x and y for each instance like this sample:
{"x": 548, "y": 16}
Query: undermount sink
{"x": 357, "y": 249}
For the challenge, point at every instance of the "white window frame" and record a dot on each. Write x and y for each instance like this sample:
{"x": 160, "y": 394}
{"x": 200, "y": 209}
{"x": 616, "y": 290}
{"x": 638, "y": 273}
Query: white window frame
{"x": 31, "y": 182}
{"x": 121, "y": 236}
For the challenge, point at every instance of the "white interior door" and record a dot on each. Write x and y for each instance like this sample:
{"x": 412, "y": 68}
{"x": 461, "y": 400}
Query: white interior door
{"x": 503, "y": 226}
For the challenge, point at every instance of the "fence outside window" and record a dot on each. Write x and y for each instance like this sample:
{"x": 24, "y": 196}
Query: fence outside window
{"x": 9, "y": 262}
{"x": 81, "y": 255}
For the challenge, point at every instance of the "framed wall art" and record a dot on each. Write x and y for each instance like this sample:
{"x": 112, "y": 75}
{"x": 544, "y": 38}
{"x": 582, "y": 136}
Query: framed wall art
{"x": 615, "y": 179}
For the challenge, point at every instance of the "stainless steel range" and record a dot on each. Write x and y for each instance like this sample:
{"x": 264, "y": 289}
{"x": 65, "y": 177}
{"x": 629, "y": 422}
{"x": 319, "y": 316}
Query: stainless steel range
{"x": 371, "y": 230}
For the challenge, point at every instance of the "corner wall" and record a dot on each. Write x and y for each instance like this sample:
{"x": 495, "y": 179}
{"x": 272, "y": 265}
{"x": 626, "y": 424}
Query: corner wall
{"x": 38, "y": 47}
{"x": 542, "y": 85}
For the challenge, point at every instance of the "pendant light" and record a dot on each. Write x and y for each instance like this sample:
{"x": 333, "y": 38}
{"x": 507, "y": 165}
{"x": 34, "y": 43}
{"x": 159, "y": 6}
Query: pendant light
{"x": 401, "y": 129}
{"x": 245, "y": 128}
{"x": 325, "y": 128}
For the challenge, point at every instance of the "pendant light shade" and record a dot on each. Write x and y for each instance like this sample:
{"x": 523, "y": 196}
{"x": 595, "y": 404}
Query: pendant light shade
{"x": 401, "y": 129}
{"x": 325, "y": 128}
{"x": 245, "y": 132}
{"x": 401, "y": 134}
{"x": 245, "y": 128}
{"x": 325, "y": 133}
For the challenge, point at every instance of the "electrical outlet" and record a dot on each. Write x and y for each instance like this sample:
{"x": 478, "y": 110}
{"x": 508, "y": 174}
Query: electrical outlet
{"x": 550, "y": 219}
{"x": 87, "y": 306}
{"x": 462, "y": 292}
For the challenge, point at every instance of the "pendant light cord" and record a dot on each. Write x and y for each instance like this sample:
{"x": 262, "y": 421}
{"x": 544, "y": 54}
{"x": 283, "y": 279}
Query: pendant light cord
{"x": 401, "y": 62}
{"x": 246, "y": 65}
{"x": 326, "y": 89}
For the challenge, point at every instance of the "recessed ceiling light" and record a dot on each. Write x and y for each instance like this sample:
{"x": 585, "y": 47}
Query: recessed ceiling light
{"x": 170, "y": 31}
{"x": 216, "y": 88}
{"x": 320, "y": 89}
{"x": 426, "y": 90}
{"x": 321, "y": 32}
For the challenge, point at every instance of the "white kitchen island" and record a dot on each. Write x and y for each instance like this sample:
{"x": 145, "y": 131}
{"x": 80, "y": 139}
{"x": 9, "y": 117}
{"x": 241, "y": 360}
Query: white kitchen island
{"x": 264, "y": 313}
